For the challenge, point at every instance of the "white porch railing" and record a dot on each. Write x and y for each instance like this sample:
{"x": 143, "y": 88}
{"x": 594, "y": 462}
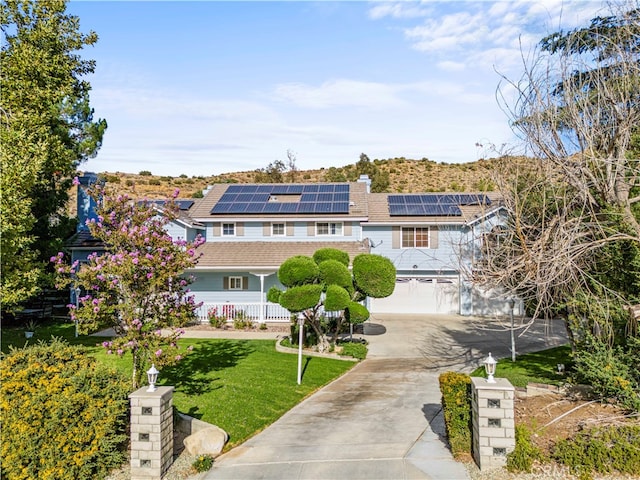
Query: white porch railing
{"x": 271, "y": 312}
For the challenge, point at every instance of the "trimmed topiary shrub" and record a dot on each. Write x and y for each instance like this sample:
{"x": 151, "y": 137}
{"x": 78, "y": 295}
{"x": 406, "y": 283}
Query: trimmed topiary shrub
{"x": 273, "y": 295}
{"x": 297, "y": 299}
{"x": 333, "y": 272}
{"x": 356, "y": 313}
{"x": 374, "y": 275}
{"x": 298, "y": 270}
{"x": 63, "y": 414}
{"x": 337, "y": 298}
{"x": 328, "y": 253}
{"x": 456, "y": 405}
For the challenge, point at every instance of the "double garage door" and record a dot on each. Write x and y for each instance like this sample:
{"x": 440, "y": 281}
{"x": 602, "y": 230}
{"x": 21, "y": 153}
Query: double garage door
{"x": 420, "y": 295}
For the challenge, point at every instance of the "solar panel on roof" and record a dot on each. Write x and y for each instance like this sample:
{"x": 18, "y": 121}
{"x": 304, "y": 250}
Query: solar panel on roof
{"x": 433, "y": 204}
{"x": 308, "y": 197}
{"x": 257, "y": 199}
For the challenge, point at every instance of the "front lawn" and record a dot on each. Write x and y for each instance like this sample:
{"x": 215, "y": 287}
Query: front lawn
{"x": 240, "y": 385}
{"x": 538, "y": 367}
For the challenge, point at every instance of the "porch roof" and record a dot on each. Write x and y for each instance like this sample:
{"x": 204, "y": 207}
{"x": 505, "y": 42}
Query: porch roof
{"x": 248, "y": 255}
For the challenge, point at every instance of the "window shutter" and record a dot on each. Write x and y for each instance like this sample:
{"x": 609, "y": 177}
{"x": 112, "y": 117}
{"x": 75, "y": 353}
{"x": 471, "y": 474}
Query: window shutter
{"x": 289, "y": 227}
{"x": 225, "y": 283}
{"x": 433, "y": 237}
{"x": 311, "y": 229}
{"x": 347, "y": 229}
{"x": 395, "y": 237}
{"x": 240, "y": 229}
{"x": 266, "y": 229}
{"x": 245, "y": 283}
{"x": 216, "y": 229}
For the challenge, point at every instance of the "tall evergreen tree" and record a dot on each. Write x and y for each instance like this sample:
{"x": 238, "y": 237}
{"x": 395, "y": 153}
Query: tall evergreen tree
{"x": 47, "y": 131}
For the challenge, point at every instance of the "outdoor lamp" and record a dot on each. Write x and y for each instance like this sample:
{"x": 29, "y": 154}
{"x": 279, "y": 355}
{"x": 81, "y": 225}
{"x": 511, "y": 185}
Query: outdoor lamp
{"x": 300, "y": 340}
{"x": 152, "y": 375}
{"x": 512, "y": 303}
{"x": 490, "y": 368}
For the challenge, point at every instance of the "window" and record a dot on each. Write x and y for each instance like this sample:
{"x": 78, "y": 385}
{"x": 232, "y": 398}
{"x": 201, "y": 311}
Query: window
{"x": 329, "y": 228}
{"x": 415, "y": 237}
{"x": 228, "y": 229}
{"x": 278, "y": 229}
{"x": 235, "y": 283}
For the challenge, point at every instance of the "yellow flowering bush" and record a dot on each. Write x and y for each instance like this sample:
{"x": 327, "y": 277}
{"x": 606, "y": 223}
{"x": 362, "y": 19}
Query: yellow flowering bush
{"x": 62, "y": 414}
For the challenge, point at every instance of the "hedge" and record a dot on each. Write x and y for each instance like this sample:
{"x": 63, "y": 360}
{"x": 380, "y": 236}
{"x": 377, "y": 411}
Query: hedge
{"x": 456, "y": 404}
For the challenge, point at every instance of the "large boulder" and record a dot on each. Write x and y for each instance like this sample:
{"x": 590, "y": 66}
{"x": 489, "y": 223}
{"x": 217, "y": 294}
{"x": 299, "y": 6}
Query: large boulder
{"x": 208, "y": 441}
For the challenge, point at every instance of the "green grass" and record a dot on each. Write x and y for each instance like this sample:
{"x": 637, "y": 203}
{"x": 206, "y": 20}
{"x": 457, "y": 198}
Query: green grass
{"x": 240, "y": 385}
{"x": 539, "y": 367}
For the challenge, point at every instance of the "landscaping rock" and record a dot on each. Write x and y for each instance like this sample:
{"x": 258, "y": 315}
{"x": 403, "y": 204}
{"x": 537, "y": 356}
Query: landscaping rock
{"x": 208, "y": 441}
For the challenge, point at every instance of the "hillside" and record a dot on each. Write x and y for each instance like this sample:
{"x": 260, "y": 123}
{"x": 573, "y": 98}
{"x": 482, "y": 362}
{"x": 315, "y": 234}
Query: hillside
{"x": 405, "y": 176}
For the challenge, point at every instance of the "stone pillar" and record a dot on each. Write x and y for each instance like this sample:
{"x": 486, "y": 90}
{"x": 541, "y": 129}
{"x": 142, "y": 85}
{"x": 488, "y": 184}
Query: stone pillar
{"x": 493, "y": 421}
{"x": 151, "y": 432}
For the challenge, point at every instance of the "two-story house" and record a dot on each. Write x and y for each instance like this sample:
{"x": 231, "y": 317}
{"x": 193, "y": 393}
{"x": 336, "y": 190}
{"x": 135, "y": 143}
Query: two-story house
{"x": 433, "y": 239}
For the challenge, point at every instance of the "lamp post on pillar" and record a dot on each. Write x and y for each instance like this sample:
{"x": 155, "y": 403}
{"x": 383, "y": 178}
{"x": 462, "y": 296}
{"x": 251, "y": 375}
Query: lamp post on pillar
{"x": 490, "y": 368}
{"x": 300, "y": 338}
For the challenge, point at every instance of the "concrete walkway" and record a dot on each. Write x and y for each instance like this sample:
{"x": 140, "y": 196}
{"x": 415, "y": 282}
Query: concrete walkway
{"x": 383, "y": 419}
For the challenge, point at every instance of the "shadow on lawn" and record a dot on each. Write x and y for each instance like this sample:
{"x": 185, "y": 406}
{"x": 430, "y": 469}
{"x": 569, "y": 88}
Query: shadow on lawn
{"x": 190, "y": 374}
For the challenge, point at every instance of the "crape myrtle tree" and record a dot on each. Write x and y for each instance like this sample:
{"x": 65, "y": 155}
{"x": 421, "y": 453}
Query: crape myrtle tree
{"x": 46, "y": 130}
{"x": 324, "y": 282}
{"x": 136, "y": 286}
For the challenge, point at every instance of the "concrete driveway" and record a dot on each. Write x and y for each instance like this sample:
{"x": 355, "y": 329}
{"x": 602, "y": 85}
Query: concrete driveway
{"x": 383, "y": 419}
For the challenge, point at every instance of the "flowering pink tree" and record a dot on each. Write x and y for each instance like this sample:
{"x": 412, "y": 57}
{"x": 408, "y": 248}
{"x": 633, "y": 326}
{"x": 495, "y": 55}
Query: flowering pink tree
{"x": 137, "y": 286}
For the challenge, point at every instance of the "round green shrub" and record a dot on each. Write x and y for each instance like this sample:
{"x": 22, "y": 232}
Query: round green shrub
{"x": 331, "y": 254}
{"x": 297, "y": 299}
{"x": 356, "y": 313}
{"x": 374, "y": 275}
{"x": 273, "y": 295}
{"x": 63, "y": 414}
{"x": 332, "y": 272}
{"x": 337, "y": 298}
{"x": 298, "y": 270}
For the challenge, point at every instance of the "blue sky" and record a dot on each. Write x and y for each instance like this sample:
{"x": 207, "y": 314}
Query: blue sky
{"x": 208, "y": 87}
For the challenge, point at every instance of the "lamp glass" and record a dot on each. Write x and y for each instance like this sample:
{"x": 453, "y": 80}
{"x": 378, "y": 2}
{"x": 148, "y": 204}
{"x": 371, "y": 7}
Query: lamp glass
{"x": 152, "y": 376}
{"x": 490, "y": 368}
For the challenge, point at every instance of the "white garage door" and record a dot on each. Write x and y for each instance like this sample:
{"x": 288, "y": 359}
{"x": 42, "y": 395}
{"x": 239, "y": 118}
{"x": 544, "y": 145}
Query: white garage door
{"x": 420, "y": 295}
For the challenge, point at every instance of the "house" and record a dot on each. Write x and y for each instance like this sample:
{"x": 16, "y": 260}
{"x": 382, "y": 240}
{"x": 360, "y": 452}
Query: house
{"x": 433, "y": 239}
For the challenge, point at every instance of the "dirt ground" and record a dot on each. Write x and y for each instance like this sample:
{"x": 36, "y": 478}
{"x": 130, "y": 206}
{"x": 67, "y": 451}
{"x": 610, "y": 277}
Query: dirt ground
{"x": 555, "y": 416}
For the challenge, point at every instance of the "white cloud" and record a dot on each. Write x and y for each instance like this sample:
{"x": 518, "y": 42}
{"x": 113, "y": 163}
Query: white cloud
{"x": 339, "y": 93}
{"x": 399, "y": 10}
{"x": 451, "y": 66}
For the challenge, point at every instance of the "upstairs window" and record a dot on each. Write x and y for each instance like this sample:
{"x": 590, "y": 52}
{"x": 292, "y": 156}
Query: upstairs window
{"x": 329, "y": 228}
{"x": 278, "y": 229}
{"x": 228, "y": 229}
{"x": 415, "y": 237}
